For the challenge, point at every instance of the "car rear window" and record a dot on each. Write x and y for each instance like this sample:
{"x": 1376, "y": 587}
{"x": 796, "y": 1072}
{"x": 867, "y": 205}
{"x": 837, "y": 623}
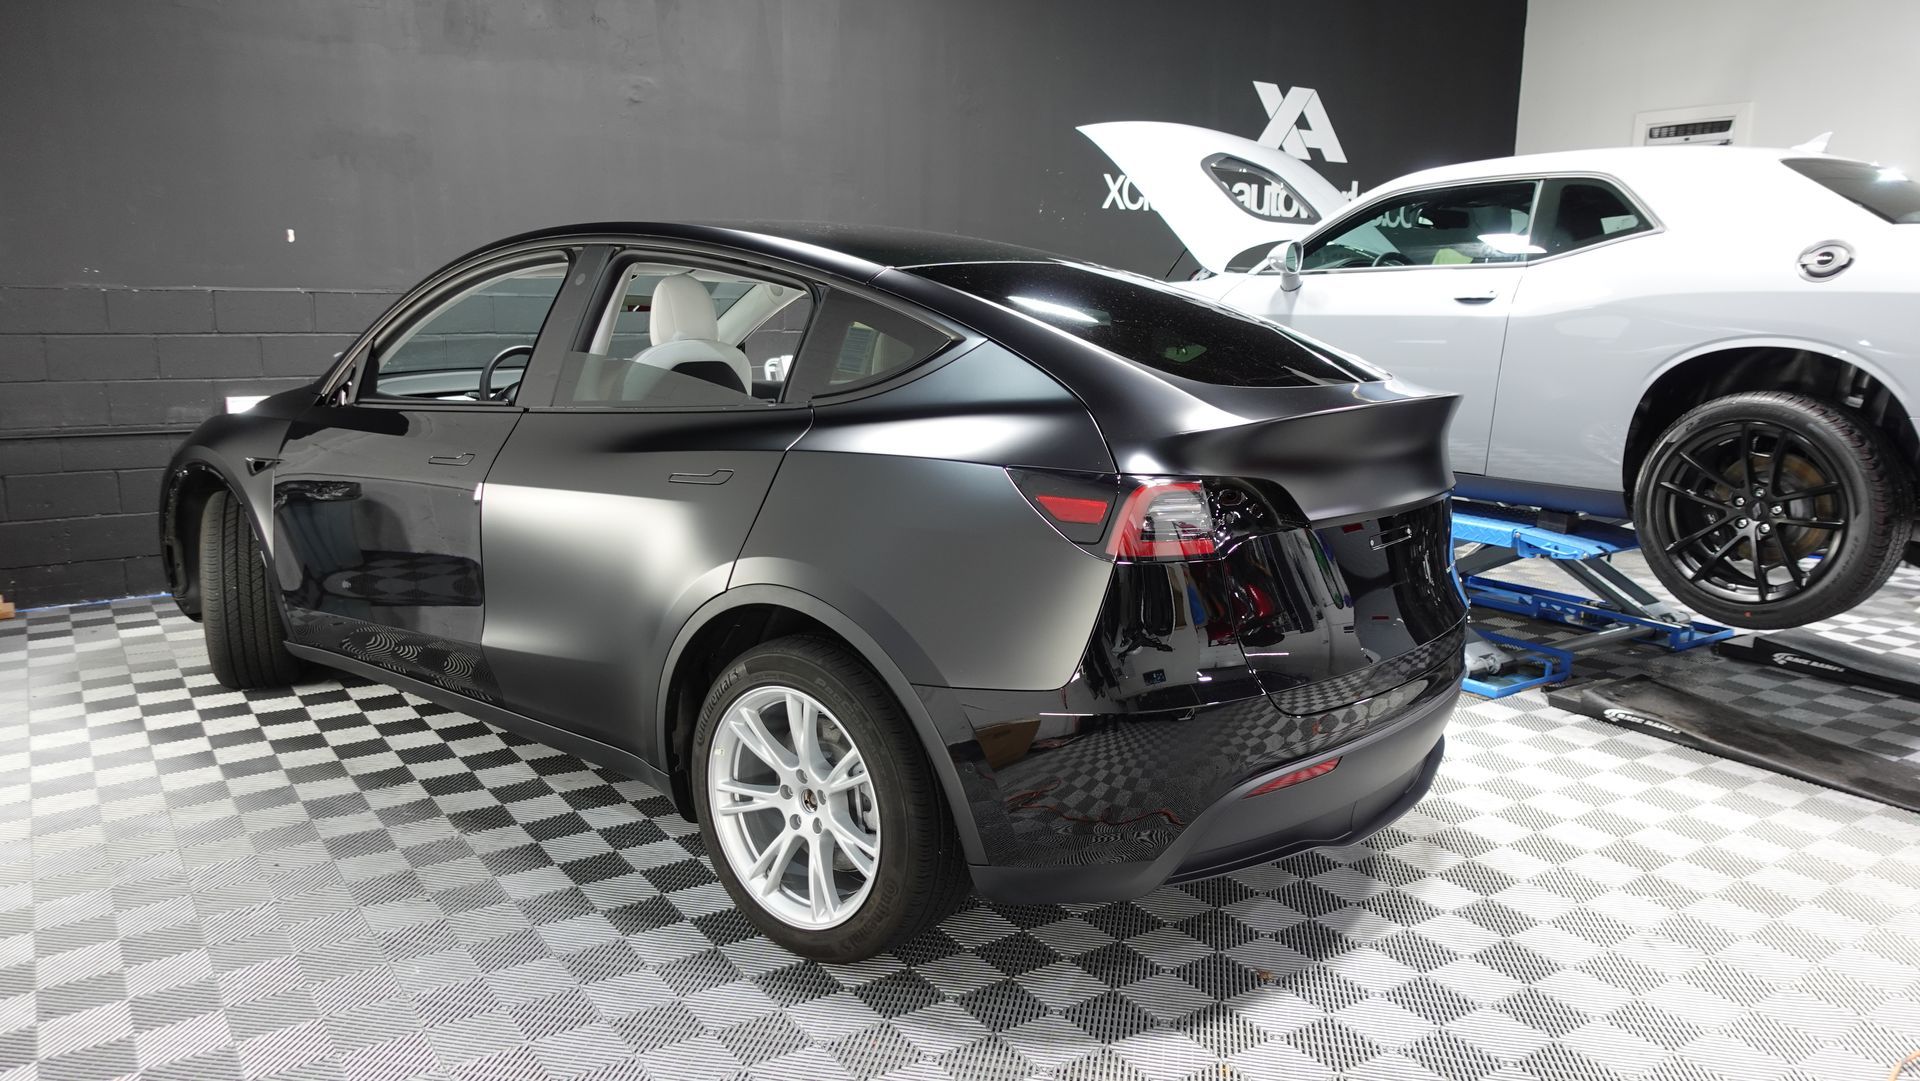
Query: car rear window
{"x": 1150, "y": 323}
{"x": 1885, "y": 191}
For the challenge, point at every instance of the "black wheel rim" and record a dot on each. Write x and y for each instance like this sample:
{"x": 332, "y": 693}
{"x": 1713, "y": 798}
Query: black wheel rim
{"x": 1749, "y": 511}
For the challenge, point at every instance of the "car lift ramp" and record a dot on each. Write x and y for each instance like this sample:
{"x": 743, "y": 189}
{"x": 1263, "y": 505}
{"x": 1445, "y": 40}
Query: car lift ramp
{"x": 1499, "y": 665}
{"x": 1691, "y": 720}
{"x": 1803, "y": 652}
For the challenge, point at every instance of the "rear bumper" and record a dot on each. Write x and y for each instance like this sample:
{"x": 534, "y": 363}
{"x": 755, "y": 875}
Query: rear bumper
{"x": 1380, "y": 777}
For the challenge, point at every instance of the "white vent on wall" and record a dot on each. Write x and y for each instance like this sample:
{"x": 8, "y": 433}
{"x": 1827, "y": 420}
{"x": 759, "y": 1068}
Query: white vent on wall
{"x": 1698, "y": 125}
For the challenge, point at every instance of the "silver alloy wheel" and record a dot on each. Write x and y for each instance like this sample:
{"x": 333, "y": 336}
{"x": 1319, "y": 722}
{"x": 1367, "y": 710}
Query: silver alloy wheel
{"x": 798, "y": 819}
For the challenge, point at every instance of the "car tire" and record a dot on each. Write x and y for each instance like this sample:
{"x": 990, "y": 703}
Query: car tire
{"x": 246, "y": 639}
{"x": 1788, "y": 477}
{"x": 918, "y": 874}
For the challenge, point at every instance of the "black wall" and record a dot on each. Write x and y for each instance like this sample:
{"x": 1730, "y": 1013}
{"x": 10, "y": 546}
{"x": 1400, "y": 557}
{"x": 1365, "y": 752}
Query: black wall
{"x": 202, "y": 198}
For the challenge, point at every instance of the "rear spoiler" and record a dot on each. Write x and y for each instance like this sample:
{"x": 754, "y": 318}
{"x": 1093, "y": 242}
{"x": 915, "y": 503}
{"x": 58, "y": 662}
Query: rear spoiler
{"x": 1346, "y": 451}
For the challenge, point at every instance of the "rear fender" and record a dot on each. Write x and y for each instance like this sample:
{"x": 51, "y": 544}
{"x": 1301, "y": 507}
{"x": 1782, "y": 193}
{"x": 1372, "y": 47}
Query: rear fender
{"x": 934, "y": 712}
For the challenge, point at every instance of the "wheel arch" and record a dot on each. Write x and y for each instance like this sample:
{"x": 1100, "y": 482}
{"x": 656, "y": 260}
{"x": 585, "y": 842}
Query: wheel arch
{"x": 1808, "y": 367}
{"x": 740, "y": 618}
{"x": 190, "y": 483}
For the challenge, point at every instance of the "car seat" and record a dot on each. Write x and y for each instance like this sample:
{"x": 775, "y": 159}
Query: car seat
{"x": 686, "y": 333}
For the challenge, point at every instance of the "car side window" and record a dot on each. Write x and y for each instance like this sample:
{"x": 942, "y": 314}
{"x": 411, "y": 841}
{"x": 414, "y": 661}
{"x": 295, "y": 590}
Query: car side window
{"x": 1472, "y": 224}
{"x": 484, "y": 334}
{"x": 1580, "y": 212}
{"x": 679, "y": 335}
{"x": 856, "y": 341}
{"x": 771, "y": 347}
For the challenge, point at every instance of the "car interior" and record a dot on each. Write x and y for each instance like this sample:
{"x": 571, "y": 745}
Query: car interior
{"x": 672, "y": 335}
{"x": 692, "y": 325}
{"x": 1459, "y": 226}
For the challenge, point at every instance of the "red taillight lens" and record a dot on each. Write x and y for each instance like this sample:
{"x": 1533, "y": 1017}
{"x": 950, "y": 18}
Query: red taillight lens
{"x": 1164, "y": 519}
{"x": 1154, "y": 519}
{"x": 1288, "y": 780}
{"x": 1073, "y": 510}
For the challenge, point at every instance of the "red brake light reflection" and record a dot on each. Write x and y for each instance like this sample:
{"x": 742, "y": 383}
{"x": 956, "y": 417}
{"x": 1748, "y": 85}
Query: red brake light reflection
{"x": 1066, "y": 508}
{"x": 1287, "y": 780}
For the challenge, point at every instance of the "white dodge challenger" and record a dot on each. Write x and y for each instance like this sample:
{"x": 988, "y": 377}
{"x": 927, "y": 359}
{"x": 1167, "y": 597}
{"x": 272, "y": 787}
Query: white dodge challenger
{"x": 1721, "y": 343}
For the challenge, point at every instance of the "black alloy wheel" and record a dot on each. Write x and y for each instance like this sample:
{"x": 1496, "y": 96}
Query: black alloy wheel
{"x": 1772, "y": 510}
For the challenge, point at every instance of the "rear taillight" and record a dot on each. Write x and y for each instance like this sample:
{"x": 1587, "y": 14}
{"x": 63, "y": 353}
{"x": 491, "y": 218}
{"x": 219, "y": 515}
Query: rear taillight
{"x": 1155, "y": 519}
{"x": 1164, "y": 520}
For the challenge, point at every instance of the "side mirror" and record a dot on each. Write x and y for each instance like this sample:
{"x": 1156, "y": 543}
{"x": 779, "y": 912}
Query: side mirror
{"x": 1284, "y": 260}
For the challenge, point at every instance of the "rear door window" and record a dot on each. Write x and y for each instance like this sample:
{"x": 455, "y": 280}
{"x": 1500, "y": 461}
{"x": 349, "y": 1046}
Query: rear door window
{"x": 1150, "y": 323}
{"x": 677, "y": 335}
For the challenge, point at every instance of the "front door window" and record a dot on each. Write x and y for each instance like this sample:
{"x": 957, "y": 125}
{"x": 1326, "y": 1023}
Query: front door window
{"x": 483, "y": 334}
{"x": 1474, "y": 224}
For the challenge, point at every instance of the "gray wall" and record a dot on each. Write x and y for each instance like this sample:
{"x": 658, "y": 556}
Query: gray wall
{"x": 1725, "y": 52}
{"x": 202, "y": 199}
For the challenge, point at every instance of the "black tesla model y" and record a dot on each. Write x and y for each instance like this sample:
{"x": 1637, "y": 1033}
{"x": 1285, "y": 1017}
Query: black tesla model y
{"x": 906, "y": 563}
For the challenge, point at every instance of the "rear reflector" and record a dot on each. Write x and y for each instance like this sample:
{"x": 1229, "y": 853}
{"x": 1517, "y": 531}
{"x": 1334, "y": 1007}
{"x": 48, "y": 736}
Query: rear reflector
{"x": 1066, "y": 508}
{"x": 1288, "y": 780}
{"x": 1076, "y": 505}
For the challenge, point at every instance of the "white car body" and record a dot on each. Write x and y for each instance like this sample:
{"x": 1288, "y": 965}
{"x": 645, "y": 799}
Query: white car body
{"x": 1567, "y": 362}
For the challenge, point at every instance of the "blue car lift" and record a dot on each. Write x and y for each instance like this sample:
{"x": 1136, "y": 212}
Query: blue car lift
{"x": 1499, "y": 665}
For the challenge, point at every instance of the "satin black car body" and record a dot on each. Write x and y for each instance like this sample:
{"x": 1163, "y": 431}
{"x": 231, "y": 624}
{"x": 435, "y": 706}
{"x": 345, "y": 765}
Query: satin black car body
{"x": 1161, "y": 589}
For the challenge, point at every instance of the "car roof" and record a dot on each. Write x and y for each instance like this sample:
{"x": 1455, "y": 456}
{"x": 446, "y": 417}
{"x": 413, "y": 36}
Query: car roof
{"x": 859, "y": 251}
{"x": 1629, "y": 163}
{"x": 892, "y": 247}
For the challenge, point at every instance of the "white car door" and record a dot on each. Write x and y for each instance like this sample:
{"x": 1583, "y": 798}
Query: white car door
{"x": 1421, "y": 285}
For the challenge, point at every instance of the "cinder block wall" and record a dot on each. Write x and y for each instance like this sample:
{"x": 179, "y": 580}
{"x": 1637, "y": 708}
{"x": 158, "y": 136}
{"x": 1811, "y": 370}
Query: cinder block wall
{"x": 97, "y": 388}
{"x": 276, "y": 147}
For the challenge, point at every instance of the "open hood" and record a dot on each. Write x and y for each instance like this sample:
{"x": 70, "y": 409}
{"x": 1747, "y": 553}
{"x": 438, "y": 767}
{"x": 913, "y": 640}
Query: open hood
{"x": 1220, "y": 194}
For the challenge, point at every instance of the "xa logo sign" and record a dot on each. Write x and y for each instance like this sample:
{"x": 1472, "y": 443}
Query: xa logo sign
{"x": 1123, "y": 195}
{"x": 1297, "y": 123}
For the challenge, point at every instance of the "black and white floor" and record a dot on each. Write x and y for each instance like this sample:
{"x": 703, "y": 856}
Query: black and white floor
{"x": 342, "y": 882}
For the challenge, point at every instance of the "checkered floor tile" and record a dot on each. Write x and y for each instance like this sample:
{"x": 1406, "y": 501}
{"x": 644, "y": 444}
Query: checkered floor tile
{"x": 344, "y": 882}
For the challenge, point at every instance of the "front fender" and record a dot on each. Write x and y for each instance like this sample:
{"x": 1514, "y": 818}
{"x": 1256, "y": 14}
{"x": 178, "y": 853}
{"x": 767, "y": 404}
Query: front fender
{"x": 219, "y": 452}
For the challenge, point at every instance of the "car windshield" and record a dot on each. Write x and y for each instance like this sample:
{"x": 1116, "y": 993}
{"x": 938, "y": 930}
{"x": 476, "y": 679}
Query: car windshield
{"x": 1150, "y": 323}
{"x": 1883, "y": 190}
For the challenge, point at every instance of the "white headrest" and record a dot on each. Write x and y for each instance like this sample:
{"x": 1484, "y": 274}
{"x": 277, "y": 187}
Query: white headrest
{"x": 682, "y": 309}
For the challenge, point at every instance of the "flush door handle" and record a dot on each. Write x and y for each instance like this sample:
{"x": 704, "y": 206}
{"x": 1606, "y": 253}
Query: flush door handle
{"x": 450, "y": 459}
{"x": 718, "y": 476}
{"x": 1481, "y": 297}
